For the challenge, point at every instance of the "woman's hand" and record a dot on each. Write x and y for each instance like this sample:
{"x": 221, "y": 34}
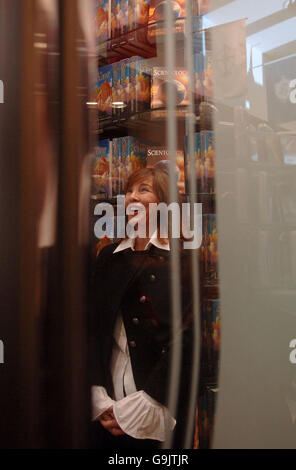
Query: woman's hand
{"x": 108, "y": 421}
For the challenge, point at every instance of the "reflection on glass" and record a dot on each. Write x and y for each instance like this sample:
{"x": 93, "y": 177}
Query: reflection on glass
{"x": 255, "y": 129}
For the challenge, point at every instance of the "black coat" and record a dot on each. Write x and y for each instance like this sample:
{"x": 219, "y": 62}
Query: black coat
{"x": 137, "y": 285}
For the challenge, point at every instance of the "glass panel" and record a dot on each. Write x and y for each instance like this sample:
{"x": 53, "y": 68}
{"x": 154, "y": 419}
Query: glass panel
{"x": 253, "y": 67}
{"x": 153, "y": 114}
{"x": 207, "y": 89}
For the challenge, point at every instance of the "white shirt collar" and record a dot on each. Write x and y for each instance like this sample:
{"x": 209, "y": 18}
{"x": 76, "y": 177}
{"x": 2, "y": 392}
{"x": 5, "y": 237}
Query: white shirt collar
{"x": 130, "y": 243}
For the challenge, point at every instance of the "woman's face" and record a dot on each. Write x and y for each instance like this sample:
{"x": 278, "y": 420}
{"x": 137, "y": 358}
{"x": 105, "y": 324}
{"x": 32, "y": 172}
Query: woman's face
{"x": 141, "y": 193}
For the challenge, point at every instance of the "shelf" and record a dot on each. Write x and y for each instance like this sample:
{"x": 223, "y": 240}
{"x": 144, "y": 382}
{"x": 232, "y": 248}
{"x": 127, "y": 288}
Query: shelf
{"x": 149, "y": 125}
{"x": 137, "y": 119}
{"x": 156, "y": 118}
{"x": 134, "y": 43}
{"x": 146, "y": 41}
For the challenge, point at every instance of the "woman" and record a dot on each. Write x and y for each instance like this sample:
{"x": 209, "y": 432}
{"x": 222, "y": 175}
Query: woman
{"x": 131, "y": 331}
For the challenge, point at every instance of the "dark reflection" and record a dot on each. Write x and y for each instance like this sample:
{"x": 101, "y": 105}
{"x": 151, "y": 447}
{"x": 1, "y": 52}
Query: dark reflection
{"x": 46, "y": 150}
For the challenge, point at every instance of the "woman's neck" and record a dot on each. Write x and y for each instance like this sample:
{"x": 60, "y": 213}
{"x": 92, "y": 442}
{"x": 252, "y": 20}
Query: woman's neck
{"x": 141, "y": 243}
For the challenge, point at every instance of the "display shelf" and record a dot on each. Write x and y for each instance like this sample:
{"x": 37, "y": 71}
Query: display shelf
{"x": 203, "y": 110}
{"x": 137, "y": 120}
{"x": 128, "y": 45}
{"x": 155, "y": 118}
{"x": 146, "y": 41}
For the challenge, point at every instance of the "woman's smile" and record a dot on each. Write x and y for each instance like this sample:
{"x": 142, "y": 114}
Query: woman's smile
{"x": 139, "y": 196}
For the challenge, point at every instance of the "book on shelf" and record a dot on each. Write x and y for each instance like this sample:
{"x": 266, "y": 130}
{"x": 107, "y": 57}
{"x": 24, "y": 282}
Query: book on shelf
{"x": 133, "y": 155}
{"x": 117, "y": 172}
{"x": 131, "y": 80}
{"x": 158, "y": 156}
{"x": 137, "y": 21}
{"x": 102, "y": 19}
{"x": 204, "y": 162}
{"x": 212, "y": 334}
{"x": 116, "y": 90}
{"x": 142, "y": 21}
{"x": 129, "y": 155}
{"x": 160, "y": 83}
{"x": 104, "y": 91}
{"x": 158, "y": 10}
{"x": 142, "y": 85}
{"x": 158, "y": 14}
{"x": 125, "y": 17}
{"x": 208, "y": 252}
{"x": 102, "y": 169}
{"x": 126, "y": 85}
{"x": 203, "y": 6}
{"x": 115, "y": 19}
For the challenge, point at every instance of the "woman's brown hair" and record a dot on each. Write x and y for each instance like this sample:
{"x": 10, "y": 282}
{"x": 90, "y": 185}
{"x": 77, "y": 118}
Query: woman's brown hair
{"x": 160, "y": 185}
{"x": 160, "y": 181}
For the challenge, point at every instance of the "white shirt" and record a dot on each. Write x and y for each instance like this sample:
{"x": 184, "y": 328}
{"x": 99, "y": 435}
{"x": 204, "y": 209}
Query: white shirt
{"x": 138, "y": 414}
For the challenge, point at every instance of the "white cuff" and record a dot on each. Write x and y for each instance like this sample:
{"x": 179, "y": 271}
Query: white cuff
{"x": 141, "y": 417}
{"x": 100, "y": 401}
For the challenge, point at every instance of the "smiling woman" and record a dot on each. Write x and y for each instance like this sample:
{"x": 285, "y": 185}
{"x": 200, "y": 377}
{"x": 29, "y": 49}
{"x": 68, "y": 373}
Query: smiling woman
{"x": 144, "y": 212}
{"x": 131, "y": 332}
{"x": 145, "y": 188}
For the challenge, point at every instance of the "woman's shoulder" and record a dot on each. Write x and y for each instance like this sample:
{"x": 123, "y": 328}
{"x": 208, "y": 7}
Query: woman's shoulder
{"x": 102, "y": 260}
{"x": 107, "y": 251}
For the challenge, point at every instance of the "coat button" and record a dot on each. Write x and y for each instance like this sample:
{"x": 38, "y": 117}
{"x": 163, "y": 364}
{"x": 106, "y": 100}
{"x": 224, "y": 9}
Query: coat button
{"x": 132, "y": 344}
{"x": 136, "y": 321}
{"x": 152, "y": 277}
{"x": 163, "y": 351}
{"x": 161, "y": 258}
{"x": 143, "y": 299}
